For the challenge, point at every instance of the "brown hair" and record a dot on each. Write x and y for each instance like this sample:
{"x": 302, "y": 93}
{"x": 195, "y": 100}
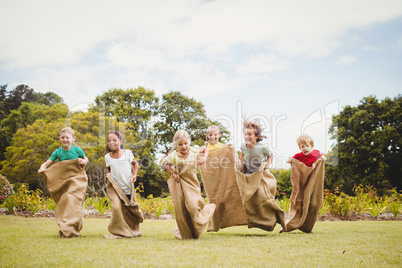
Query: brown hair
{"x": 256, "y": 126}
{"x": 305, "y": 139}
{"x": 119, "y": 136}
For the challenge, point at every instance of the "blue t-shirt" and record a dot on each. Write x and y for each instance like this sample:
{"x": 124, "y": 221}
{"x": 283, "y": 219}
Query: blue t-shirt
{"x": 74, "y": 153}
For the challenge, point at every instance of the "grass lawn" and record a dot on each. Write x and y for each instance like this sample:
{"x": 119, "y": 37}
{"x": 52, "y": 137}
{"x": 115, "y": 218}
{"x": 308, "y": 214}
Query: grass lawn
{"x": 34, "y": 242}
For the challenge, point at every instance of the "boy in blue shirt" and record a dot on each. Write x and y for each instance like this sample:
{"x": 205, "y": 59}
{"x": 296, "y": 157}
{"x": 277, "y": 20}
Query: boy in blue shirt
{"x": 67, "y": 152}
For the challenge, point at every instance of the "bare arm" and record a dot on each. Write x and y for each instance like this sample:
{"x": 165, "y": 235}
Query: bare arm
{"x": 204, "y": 150}
{"x": 45, "y": 165}
{"x": 171, "y": 171}
{"x": 135, "y": 170}
{"x": 269, "y": 161}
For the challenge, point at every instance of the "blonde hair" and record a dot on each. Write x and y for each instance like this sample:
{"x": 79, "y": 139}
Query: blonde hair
{"x": 181, "y": 134}
{"x": 211, "y": 129}
{"x": 256, "y": 126}
{"x": 305, "y": 139}
{"x": 67, "y": 130}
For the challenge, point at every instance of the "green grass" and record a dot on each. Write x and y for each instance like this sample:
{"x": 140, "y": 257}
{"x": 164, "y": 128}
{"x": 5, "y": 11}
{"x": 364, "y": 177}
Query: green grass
{"x": 34, "y": 242}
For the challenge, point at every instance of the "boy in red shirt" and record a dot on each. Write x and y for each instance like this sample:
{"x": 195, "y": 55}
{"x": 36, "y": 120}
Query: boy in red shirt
{"x": 307, "y": 156}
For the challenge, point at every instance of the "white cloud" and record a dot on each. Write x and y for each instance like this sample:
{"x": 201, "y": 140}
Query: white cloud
{"x": 259, "y": 64}
{"x": 40, "y": 33}
{"x": 346, "y": 60}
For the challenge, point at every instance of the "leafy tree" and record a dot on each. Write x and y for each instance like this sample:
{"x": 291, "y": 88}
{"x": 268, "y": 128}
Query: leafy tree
{"x": 3, "y": 91}
{"x": 181, "y": 112}
{"x": 368, "y": 144}
{"x": 136, "y": 108}
{"x": 25, "y": 115}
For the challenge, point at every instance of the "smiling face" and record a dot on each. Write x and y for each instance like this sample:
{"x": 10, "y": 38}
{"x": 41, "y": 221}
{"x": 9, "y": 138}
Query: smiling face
{"x": 113, "y": 142}
{"x": 305, "y": 148}
{"x": 183, "y": 146}
{"x": 250, "y": 137}
{"x": 66, "y": 140}
{"x": 213, "y": 137}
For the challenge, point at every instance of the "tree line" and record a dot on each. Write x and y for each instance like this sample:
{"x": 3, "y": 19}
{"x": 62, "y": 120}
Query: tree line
{"x": 366, "y": 151}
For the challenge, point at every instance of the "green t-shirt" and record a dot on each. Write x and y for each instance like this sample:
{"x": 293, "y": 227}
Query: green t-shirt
{"x": 74, "y": 153}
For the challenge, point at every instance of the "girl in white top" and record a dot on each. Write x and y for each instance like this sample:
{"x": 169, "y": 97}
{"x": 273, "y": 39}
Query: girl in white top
{"x": 120, "y": 162}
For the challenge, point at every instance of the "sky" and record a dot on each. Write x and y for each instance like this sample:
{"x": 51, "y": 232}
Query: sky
{"x": 290, "y": 64}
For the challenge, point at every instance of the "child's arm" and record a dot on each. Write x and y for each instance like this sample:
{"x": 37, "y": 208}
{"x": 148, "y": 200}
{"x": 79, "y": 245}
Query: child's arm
{"x": 204, "y": 150}
{"x": 135, "y": 170}
{"x": 269, "y": 161}
{"x": 323, "y": 158}
{"x": 83, "y": 161}
{"x": 170, "y": 170}
{"x": 45, "y": 165}
{"x": 240, "y": 158}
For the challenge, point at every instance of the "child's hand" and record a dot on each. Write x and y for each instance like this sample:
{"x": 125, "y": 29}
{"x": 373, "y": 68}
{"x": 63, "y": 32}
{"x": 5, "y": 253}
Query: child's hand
{"x": 82, "y": 161}
{"x": 201, "y": 160}
{"x": 41, "y": 170}
{"x": 289, "y": 160}
{"x": 176, "y": 177}
{"x": 133, "y": 178}
{"x": 323, "y": 158}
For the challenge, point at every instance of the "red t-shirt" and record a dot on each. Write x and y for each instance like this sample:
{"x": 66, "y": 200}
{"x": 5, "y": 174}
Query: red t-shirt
{"x": 309, "y": 159}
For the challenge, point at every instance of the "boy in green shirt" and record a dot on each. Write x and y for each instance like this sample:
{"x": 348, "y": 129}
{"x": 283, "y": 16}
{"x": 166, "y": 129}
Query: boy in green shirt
{"x": 67, "y": 152}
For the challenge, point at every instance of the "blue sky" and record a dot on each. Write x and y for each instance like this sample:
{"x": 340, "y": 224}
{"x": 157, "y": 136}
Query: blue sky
{"x": 291, "y": 64}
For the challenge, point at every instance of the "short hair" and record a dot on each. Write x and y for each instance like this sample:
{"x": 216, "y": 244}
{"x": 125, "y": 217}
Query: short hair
{"x": 256, "y": 126}
{"x": 67, "y": 130}
{"x": 181, "y": 134}
{"x": 212, "y": 128}
{"x": 305, "y": 139}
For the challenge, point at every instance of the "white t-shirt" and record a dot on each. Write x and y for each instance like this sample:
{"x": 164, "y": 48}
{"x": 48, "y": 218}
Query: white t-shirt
{"x": 121, "y": 170}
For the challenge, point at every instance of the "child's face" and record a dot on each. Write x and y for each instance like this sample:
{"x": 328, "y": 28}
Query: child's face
{"x": 305, "y": 148}
{"x": 183, "y": 146}
{"x": 113, "y": 142}
{"x": 213, "y": 137}
{"x": 249, "y": 136}
{"x": 66, "y": 139}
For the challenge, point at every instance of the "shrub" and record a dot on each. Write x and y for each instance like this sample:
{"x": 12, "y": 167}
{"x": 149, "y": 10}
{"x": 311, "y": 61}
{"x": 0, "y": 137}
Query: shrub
{"x": 101, "y": 204}
{"x": 9, "y": 204}
{"x": 50, "y": 204}
{"x": 6, "y": 189}
{"x": 26, "y": 199}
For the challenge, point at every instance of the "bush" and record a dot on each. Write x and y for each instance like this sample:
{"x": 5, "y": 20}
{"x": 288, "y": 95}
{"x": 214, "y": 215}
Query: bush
{"x": 26, "y": 199}
{"x": 6, "y": 189}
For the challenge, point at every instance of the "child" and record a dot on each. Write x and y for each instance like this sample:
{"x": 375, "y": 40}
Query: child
{"x": 192, "y": 215}
{"x": 67, "y": 151}
{"x": 307, "y": 155}
{"x": 256, "y": 183}
{"x": 122, "y": 173}
{"x": 307, "y": 179}
{"x": 67, "y": 183}
{"x": 254, "y": 153}
{"x": 219, "y": 178}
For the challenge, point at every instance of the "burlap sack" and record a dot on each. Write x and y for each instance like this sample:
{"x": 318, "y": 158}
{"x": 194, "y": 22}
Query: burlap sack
{"x": 219, "y": 178}
{"x": 307, "y": 195}
{"x": 192, "y": 215}
{"x": 257, "y": 192}
{"x": 67, "y": 183}
{"x": 126, "y": 214}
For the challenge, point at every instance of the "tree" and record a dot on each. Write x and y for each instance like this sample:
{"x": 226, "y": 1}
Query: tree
{"x": 368, "y": 144}
{"x": 181, "y": 112}
{"x": 136, "y": 107}
{"x": 26, "y": 114}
